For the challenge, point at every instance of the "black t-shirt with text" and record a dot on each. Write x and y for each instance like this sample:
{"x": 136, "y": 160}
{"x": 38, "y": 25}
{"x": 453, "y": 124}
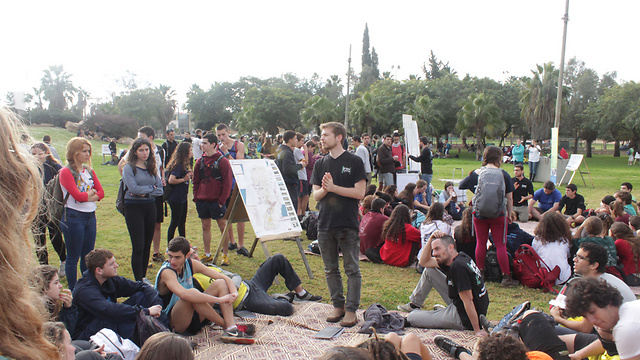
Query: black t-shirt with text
{"x": 338, "y": 211}
{"x": 463, "y": 275}
{"x": 522, "y": 188}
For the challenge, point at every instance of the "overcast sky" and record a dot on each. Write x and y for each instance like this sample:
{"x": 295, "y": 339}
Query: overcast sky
{"x": 179, "y": 43}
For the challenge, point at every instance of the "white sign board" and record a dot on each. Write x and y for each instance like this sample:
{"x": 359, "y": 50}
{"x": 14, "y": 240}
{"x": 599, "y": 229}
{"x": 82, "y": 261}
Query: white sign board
{"x": 412, "y": 140}
{"x": 574, "y": 162}
{"x": 105, "y": 149}
{"x": 266, "y": 199}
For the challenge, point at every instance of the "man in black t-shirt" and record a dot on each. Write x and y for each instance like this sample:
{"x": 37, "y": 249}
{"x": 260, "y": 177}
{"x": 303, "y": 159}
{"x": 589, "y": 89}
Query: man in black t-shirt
{"x": 339, "y": 182}
{"x": 457, "y": 279}
{"x": 523, "y": 191}
{"x": 573, "y": 204}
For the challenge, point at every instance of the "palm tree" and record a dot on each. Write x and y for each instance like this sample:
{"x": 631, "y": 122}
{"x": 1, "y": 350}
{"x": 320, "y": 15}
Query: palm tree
{"x": 479, "y": 116}
{"x": 424, "y": 109}
{"x": 318, "y": 110}
{"x": 57, "y": 87}
{"x": 366, "y": 111}
{"x": 169, "y": 107}
{"x": 539, "y": 100}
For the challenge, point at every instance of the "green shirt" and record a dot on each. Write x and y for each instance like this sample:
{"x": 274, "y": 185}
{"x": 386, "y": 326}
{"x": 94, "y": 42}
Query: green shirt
{"x": 607, "y": 242}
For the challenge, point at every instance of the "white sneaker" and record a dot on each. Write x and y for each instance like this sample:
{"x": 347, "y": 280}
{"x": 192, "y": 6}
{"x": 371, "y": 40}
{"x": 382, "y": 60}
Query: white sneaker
{"x": 62, "y": 272}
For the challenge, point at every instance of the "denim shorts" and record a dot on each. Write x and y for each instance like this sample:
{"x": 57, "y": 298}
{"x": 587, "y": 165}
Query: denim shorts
{"x": 210, "y": 210}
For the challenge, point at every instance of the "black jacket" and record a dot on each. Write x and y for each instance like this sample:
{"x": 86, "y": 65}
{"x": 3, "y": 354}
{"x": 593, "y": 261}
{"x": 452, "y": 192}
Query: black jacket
{"x": 287, "y": 164}
{"x": 426, "y": 164}
{"x": 101, "y": 301}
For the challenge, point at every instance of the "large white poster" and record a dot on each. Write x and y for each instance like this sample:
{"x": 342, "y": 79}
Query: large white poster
{"x": 412, "y": 140}
{"x": 266, "y": 199}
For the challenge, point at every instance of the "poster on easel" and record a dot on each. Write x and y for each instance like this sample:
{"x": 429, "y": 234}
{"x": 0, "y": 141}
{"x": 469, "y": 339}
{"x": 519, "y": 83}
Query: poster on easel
{"x": 412, "y": 141}
{"x": 266, "y": 199}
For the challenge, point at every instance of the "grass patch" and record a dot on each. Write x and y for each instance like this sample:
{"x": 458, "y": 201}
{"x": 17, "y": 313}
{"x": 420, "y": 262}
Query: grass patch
{"x": 382, "y": 284}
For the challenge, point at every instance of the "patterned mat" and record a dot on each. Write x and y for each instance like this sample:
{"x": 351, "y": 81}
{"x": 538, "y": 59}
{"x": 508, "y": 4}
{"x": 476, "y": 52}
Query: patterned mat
{"x": 291, "y": 337}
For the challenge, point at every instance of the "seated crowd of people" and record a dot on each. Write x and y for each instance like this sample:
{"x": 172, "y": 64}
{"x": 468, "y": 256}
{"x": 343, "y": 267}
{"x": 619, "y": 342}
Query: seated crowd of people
{"x": 595, "y": 312}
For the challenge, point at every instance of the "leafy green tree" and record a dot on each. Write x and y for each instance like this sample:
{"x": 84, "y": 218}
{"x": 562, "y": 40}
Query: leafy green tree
{"x": 332, "y": 88}
{"x": 319, "y": 110}
{"x": 57, "y": 87}
{"x": 583, "y": 84}
{"x": 211, "y": 107}
{"x": 80, "y": 106}
{"x": 170, "y": 105}
{"x": 270, "y": 107}
{"x": 144, "y": 105}
{"x": 450, "y": 92}
{"x": 479, "y": 116}
{"x": 436, "y": 68}
{"x": 370, "y": 72}
{"x": 617, "y": 111}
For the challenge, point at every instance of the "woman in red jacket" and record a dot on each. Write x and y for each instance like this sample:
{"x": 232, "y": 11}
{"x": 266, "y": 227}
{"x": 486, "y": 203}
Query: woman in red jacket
{"x": 628, "y": 249}
{"x": 402, "y": 241}
{"x": 78, "y": 222}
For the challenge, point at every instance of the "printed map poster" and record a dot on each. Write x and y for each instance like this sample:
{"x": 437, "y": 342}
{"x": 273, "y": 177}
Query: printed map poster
{"x": 266, "y": 199}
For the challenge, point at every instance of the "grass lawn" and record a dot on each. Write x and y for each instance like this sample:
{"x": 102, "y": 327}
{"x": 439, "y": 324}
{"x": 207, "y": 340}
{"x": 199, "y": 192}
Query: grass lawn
{"x": 382, "y": 284}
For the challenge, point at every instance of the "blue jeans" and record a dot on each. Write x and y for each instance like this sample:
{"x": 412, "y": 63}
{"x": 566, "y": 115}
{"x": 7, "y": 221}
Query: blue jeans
{"x": 533, "y": 166}
{"x": 79, "y": 229}
{"x": 427, "y": 178}
{"x": 331, "y": 242}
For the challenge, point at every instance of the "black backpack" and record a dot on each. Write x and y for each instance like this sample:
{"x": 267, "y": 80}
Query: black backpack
{"x": 147, "y": 326}
{"x": 210, "y": 171}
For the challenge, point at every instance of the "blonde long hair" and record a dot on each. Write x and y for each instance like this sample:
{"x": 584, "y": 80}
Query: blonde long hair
{"x": 21, "y": 320}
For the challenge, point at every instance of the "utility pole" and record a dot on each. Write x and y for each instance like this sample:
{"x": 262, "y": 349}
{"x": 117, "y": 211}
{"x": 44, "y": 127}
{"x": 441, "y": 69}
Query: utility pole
{"x": 555, "y": 129}
{"x": 346, "y": 107}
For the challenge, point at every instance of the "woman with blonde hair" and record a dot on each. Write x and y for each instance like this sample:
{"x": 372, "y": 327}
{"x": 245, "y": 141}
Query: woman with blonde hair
{"x": 167, "y": 346}
{"x": 21, "y": 334}
{"x": 49, "y": 167}
{"x": 78, "y": 223}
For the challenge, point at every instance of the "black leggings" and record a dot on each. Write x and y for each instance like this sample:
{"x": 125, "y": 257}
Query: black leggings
{"x": 42, "y": 223}
{"x": 178, "y": 219}
{"x": 141, "y": 222}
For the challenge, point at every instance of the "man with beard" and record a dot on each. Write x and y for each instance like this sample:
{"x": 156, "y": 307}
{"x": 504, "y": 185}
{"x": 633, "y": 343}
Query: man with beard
{"x": 456, "y": 278}
{"x": 339, "y": 181}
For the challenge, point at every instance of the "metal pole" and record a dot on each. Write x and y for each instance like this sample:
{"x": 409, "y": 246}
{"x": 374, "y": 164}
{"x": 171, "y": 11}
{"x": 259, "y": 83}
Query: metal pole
{"x": 560, "y": 75}
{"x": 346, "y": 107}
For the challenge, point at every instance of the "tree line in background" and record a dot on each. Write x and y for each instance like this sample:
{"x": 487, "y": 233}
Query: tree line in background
{"x": 442, "y": 103}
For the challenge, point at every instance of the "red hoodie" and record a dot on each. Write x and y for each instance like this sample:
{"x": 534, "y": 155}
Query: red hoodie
{"x": 205, "y": 188}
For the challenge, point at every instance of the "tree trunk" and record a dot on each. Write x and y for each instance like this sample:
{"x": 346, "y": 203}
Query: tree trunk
{"x": 575, "y": 144}
{"x": 616, "y": 149}
{"x": 464, "y": 142}
{"x": 479, "y": 148}
{"x": 589, "y": 148}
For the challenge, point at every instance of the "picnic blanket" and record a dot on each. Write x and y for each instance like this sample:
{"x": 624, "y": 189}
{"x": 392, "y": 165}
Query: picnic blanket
{"x": 279, "y": 337}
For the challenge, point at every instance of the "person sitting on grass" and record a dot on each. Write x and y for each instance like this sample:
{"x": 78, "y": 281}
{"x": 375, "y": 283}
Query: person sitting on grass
{"x": 498, "y": 346}
{"x": 573, "y": 204}
{"x": 548, "y": 199}
{"x": 605, "y": 205}
{"x": 516, "y": 236}
{"x": 457, "y": 279}
{"x": 553, "y": 244}
{"x": 625, "y": 197}
{"x": 58, "y": 335}
{"x": 434, "y": 222}
{"x": 590, "y": 231}
{"x": 57, "y": 301}
{"x": 634, "y": 223}
{"x": 166, "y": 346}
{"x": 252, "y": 294}
{"x": 449, "y": 199}
{"x": 96, "y": 297}
{"x": 391, "y": 347}
{"x": 420, "y": 196}
{"x": 402, "y": 240}
{"x": 618, "y": 212}
{"x": 370, "y": 231}
{"x": 628, "y": 249}
{"x": 188, "y": 309}
{"x": 464, "y": 235}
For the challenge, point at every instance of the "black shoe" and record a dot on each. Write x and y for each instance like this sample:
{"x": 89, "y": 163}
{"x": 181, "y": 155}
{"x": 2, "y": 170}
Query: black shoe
{"x": 512, "y": 316}
{"x": 307, "y": 297}
{"x": 449, "y": 346}
{"x": 242, "y": 251}
{"x": 486, "y": 324}
{"x": 233, "y": 246}
{"x": 157, "y": 257}
{"x": 287, "y": 297}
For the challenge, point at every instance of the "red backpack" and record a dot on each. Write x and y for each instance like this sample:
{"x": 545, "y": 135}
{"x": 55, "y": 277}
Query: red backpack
{"x": 529, "y": 268}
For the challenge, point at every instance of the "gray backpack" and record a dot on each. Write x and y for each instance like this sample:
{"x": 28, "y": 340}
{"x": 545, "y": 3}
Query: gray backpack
{"x": 489, "y": 200}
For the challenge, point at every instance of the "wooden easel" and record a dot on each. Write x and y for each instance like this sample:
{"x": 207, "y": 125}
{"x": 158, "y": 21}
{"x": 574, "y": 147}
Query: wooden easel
{"x": 575, "y": 161}
{"x": 238, "y": 213}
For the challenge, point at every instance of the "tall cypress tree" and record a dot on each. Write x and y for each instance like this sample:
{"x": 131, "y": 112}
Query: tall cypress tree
{"x": 366, "y": 55}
